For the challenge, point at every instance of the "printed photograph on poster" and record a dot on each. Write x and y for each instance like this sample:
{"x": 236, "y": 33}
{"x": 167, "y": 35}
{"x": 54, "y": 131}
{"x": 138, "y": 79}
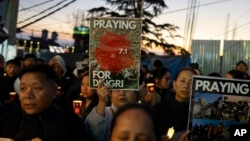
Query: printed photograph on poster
{"x": 114, "y": 52}
{"x": 216, "y": 105}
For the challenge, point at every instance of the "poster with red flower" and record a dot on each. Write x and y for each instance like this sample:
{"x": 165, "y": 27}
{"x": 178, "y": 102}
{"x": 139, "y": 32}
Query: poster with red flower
{"x": 114, "y": 52}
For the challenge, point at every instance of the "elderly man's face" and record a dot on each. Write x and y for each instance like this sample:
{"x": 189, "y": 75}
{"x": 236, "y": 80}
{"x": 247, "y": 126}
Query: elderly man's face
{"x": 36, "y": 92}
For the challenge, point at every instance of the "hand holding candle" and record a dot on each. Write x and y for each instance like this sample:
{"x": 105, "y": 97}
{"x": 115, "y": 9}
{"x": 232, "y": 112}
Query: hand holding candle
{"x": 12, "y": 96}
{"x": 170, "y": 132}
{"x": 77, "y": 105}
{"x": 151, "y": 88}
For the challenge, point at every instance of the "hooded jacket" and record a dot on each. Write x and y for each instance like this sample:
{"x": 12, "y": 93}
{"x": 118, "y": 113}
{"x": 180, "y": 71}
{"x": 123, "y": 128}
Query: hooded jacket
{"x": 67, "y": 78}
{"x": 59, "y": 60}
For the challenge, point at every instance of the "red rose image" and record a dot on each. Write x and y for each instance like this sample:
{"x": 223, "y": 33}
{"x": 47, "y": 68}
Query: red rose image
{"x": 113, "y": 52}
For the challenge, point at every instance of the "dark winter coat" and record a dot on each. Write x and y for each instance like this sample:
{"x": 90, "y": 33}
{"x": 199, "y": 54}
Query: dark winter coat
{"x": 54, "y": 124}
{"x": 171, "y": 113}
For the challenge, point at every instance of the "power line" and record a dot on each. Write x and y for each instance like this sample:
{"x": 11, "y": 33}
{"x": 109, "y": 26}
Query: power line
{"x": 242, "y": 15}
{"x": 237, "y": 19}
{"x": 35, "y": 5}
{"x": 242, "y": 33}
{"x": 21, "y": 5}
{"x": 233, "y": 28}
{"x": 184, "y": 9}
{"x": 47, "y": 14}
{"x": 41, "y": 12}
{"x": 54, "y": 18}
{"x": 53, "y": 23}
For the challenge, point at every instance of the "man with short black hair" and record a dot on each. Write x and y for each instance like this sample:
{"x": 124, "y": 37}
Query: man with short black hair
{"x": 7, "y": 81}
{"x": 243, "y": 67}
{"x": 39, "y": 117}
{"x": 29, "y": 60}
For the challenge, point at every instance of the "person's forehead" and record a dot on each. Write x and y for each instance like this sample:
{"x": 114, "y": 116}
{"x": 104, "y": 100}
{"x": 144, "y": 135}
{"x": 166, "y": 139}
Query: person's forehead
{"x": 38, "y": 75}
{"x": 136, "y": 114}
{"x": 167, "y": 73}
{"x": 123, "y": 91}
{"x": 185, "y": 73}
{"x": 241, "y": 64}
{"x": 11, "y": 65}
{"x": 56, "y": 64}
{"x": 85, "y": 78}
{"x": 30, "y": 58}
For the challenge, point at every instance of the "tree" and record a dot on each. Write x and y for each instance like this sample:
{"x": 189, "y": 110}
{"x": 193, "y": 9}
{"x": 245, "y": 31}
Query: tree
{"x": 152, "y": 33}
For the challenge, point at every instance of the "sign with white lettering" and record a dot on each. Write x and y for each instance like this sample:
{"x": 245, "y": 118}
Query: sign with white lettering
{"x": 216, "y": 106}
{"x": 114, "y": 52}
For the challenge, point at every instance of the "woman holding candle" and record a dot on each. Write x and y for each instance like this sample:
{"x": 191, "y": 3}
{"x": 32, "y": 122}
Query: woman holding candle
{"x": 162, "y": 87}
{"x": 174, "y": 110}
{"x": 163, "y": 82}
{"x": 89, "y": 97}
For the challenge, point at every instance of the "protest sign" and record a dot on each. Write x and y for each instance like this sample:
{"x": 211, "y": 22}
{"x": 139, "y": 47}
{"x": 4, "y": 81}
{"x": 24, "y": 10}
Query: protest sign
{"x": 114, "y": 52}
{"x": 217, "y": 106}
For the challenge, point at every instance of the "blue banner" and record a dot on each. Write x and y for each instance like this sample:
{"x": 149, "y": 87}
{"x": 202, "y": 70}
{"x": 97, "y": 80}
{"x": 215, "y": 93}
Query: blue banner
{"x": 174, "y": 63}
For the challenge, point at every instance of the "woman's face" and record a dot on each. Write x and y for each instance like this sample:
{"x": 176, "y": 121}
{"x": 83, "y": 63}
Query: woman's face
{"x": 133, "y": 125}
{"x": 86, "y": 92}
{"x": 165, "y": 81}
{"x": 122, "y": 97}
{"x": 182, "y": 85}
{"x": 58, "y": 69}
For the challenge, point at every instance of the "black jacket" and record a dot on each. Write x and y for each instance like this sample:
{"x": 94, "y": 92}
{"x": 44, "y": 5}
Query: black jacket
{"x": 6, "y": 86}
{"x": 164, "y": 92}
{"x": 171, "y": 113}
{"x": 54, "y": 124}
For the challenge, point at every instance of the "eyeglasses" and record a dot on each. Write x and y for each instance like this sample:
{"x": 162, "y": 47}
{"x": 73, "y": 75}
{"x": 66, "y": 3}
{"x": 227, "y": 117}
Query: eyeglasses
{"x": 167, "y": 78}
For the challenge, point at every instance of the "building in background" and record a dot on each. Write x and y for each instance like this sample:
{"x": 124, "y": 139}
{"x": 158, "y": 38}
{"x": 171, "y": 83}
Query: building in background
{"x": 81, "y": 37}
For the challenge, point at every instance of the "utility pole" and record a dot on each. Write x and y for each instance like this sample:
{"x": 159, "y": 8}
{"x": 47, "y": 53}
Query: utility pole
{"x": 139, "y": 9}
{"x": 222, "y": 44}
{"x": 11, "y": 21}
{"x": 234, "y": 32}
{"x": 226, "y": 27}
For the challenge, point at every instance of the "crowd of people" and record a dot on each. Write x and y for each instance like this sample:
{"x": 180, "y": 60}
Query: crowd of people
{"x": 40, "y": 105}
